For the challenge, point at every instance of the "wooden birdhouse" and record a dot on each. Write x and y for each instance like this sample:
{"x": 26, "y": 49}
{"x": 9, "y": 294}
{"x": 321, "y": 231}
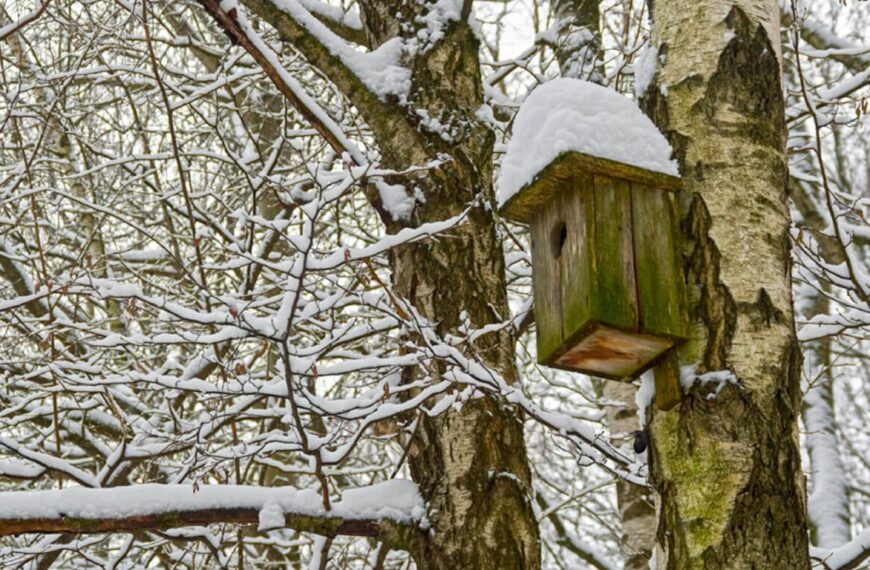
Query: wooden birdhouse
{"x": 605, "y": 272}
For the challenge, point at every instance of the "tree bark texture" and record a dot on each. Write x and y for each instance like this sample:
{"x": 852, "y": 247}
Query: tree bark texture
{"x": 579, "y": 48}
{"x": 471, "y": 464}
{"x": 727, "y": 466}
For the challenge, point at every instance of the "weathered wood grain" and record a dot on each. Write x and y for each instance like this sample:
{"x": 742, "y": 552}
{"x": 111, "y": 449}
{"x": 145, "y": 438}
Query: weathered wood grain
{"x": 545, "y": 281}
{"x": 659, "y": 279}
{"x": 554, "y": 178}
{"x": 576, "y": 205}
{"x": 614, "y": 293}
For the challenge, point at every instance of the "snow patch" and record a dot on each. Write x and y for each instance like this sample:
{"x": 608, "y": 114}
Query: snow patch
{"x": 689, "y": 377}
{"x": 397, "y": 499}
{"x": 645, "y": 70}
{"x": 566, "y": 115}
{"x": 271, "y": 517}
{"x": 396, "y": 200}
{"x": 644, "y": 396}
{"x": 17, "y": 469}
{"x": 380, "y": 70}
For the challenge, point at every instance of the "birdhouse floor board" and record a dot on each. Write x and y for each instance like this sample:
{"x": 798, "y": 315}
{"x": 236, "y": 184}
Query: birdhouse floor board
{"x": 612, "y": 353}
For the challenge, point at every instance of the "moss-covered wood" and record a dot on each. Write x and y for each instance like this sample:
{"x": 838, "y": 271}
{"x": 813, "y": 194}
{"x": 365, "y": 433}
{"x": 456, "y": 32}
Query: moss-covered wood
{"x": 547, "y": 270}
{"x": 577, "y": 205}
{"x": 659, "y": 279}
{"x": 607, "y": 282}
{"x": 614, "y": 293}
{"x": 563, "y": 171}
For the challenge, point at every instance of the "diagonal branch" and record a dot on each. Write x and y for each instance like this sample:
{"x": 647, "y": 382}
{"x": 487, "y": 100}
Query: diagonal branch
{"x": 19, "y": 24}
{"x": 240, "y": 33}
{"x": 346, "y": 25}
{"x": 387, "y": 119}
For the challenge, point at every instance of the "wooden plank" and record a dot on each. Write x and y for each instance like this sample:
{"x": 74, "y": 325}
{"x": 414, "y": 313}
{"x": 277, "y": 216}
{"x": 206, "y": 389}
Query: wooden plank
{"x": 667, "y": 380}
{"x": 545, "y": 283}
{"x": 552, "y": 179}
{"x": 614, "y": 291}
{"x": 611, "y": 353}
{"x": 659, "y": 279}
{"x": 576, "y": 204}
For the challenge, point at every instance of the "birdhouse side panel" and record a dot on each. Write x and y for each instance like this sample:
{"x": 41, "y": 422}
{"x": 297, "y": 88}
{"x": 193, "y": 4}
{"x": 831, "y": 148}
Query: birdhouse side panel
{"x": 546, "y": 281}
{"x": 614, "y": 290}
{"x": 578, "y": 214}
{"x": 659, "y": 279}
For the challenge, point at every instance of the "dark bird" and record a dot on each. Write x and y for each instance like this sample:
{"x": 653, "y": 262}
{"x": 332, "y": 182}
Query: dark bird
{"x": 641, "y": 439}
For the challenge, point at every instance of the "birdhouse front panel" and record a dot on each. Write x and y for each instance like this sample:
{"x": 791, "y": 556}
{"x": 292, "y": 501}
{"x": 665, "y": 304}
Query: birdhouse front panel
{"x": 606, "y": 278}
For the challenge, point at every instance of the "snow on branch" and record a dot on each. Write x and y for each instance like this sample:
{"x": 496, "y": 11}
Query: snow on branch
{"x": 18, "y": 25}
{"x": 376, "y": 511}
{"x": 233, "y": 21}
{"x": 850, "y": 556}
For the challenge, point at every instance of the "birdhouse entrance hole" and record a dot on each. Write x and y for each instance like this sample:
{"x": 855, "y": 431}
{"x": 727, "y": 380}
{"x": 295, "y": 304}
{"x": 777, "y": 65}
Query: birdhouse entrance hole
{"x": 558, "y": 239}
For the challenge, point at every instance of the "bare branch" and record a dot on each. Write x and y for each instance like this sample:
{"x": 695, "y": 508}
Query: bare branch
{"x": 20, "y": 24}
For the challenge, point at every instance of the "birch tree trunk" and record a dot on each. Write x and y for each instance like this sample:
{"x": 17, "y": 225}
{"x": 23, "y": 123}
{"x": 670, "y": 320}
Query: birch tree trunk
{"x": 636, "y": 508}
{"x": 727, "y": 466}
{"x": 828, "y": 503}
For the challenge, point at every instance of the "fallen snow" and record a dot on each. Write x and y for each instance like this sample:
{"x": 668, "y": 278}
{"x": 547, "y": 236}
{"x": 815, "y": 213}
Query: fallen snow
{"x": 397, "y": 499}
{"x": 572, "y": 115}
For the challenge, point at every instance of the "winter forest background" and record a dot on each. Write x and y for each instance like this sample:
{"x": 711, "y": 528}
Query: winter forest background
{"x": 195, "y": 282}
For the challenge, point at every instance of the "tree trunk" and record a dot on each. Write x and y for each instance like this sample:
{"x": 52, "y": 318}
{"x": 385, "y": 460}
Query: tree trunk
{"x": 829, "y": 500}
{"x": 470, "y": 463}
{"x": 828, "y": 504}
{"x": 727, "y": 464}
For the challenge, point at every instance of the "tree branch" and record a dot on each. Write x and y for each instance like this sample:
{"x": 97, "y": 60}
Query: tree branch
{"x": 345, "y": 25}
{"x": 18, "y": 25}
{"x": 309, "y": 110}
{"x": 388, "y": 120}
{"x": 159, "y": 507}
{"x": 815, "y": 35}
{"x": 847, "y": 557}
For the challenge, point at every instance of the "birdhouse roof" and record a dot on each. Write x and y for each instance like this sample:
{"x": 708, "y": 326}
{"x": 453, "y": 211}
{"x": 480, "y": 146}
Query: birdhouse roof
{"x": 567, "y": 126}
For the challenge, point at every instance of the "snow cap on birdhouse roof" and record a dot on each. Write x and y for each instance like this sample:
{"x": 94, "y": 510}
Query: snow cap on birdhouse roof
{"x": 569, "y": 124}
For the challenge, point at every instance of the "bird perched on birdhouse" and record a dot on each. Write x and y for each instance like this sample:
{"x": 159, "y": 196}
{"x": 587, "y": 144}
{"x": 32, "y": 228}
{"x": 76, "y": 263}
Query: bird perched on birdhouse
{"x": 594, "y": 180}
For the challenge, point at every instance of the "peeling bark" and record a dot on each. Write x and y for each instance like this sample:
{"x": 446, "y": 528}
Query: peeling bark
{"x": 728, "y": 468}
